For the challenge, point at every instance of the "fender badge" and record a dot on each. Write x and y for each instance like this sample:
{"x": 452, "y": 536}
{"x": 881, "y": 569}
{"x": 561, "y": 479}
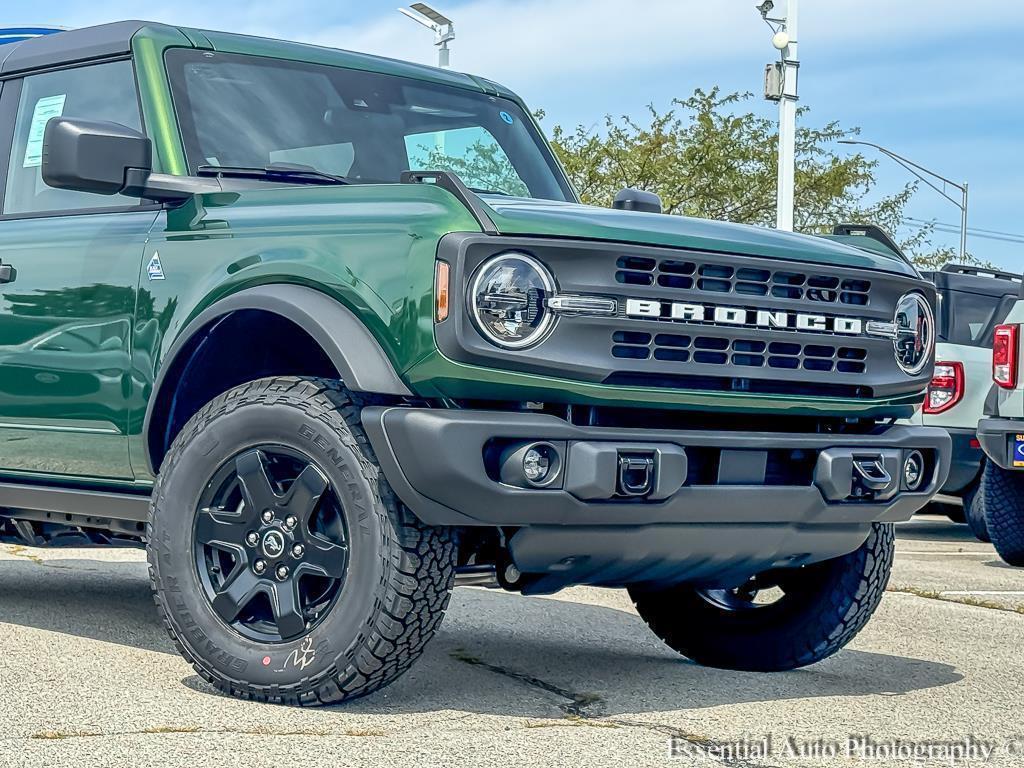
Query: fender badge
{"x": 155, "y": 269}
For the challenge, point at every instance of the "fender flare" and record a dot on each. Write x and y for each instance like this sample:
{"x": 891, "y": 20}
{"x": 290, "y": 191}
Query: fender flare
{"x": 348, "y": 344}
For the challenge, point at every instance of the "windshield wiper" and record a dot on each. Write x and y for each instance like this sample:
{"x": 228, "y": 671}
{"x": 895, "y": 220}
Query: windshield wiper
{"x": 482, "y": 191}
{"x": 303, "y": 174}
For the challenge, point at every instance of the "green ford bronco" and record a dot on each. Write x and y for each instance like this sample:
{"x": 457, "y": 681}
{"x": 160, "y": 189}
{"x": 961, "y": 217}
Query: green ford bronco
{"x": 327, "y": 332}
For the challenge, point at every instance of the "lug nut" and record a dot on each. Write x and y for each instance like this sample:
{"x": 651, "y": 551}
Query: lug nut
{"x": 282, "y": 572}
{"x": 252, "y": 538}
{"x": 290, "y": 522}
{"x": 298, "y": 550}
{"x": 259, "y": 567}
{"x": 268, "y": 516}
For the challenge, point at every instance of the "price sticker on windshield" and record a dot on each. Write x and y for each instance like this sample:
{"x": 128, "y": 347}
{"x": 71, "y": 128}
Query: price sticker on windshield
{"x": 1018, "y": 451}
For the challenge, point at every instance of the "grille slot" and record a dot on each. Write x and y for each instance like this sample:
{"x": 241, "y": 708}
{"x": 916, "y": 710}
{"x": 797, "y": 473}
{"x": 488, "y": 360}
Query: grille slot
{"x": 707, "y": 350}
{"x": 711, "y": 277}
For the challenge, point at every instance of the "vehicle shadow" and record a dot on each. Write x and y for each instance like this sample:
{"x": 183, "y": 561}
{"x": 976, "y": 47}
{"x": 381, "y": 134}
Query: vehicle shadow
{"x": 496, "y": 653}
{"x": 935, "y": 528}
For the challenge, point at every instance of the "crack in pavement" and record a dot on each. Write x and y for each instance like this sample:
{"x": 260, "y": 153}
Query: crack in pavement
{"x": 577, "y": 713}
{"x": 23, "y": 552}
{"x": 929, "y": 594}
{"x": 172, "y": 730}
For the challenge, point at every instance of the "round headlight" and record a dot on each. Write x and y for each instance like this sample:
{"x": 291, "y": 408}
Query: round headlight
{"x": 915, "y": 333}
{"x": 506, "y": 300}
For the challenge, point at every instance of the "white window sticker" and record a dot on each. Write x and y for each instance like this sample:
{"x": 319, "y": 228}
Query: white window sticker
{"x": 46, "y": 107}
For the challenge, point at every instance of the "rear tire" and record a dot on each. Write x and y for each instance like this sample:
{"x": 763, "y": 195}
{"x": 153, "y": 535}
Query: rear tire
{"x": 824, "y": 606}
{"x": 1003, "y": 490}
{"x": 351, "y": 587}
{"x": 974, "y": 511}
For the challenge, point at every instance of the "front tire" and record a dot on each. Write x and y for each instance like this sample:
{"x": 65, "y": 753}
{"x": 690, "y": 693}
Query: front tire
{"x": 283, "y": 566}
{"x": 822, "y": 607}
{"x": 1004, "y": 511}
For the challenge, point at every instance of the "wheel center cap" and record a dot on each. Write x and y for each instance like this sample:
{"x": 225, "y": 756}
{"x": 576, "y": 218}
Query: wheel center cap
{"x": 273, "y": 544}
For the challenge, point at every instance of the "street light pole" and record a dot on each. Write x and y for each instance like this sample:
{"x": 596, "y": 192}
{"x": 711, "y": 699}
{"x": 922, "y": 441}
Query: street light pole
{"x": 930, "y": 178}
{"x": 781, "y": 86}
{"x": 787, "y": 123}
{"x": 439, "y": 24}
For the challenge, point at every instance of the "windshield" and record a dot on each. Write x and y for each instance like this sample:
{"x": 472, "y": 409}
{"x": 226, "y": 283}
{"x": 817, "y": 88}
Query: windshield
{"x": 250, "y": 111}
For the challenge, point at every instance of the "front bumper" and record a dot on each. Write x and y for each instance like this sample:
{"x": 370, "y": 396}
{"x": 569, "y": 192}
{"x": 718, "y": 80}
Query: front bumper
{"x": 997, "y": 436}
{"x": 719, "y": 502}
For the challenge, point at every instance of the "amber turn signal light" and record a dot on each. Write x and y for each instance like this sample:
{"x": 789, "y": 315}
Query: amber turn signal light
{"x": 441, "y": 274}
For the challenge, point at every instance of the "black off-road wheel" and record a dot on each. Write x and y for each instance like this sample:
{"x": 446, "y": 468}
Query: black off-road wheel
{"x": 1003, "y": 490}
{"x": 779, "y": 620}
{"x": 283, "y": 565}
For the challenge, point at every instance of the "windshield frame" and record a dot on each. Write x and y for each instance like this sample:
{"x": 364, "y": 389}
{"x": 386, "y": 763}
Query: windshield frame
{"x": 177, "y": 58}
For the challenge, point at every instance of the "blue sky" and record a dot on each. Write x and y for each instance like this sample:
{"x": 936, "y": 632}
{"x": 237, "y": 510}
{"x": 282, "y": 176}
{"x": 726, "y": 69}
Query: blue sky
{"x": 940, "y": 81}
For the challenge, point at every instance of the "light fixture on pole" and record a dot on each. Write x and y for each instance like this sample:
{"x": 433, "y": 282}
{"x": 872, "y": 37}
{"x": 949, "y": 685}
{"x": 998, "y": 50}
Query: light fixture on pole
{"x": 781, "y": 86}
{"x": 442, "y": 27}
{"x": 930, "y": 178}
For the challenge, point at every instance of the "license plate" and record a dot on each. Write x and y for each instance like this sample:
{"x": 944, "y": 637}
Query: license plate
{"x": 1018, "y": 451}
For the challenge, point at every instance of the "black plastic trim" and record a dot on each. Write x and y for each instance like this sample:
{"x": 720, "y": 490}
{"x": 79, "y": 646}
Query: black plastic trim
{"x": 965, "y": 461}
{"x": 351, "y": 348}
{"x": 16, "y": 497}
{"x": 993, "y": 434}
{"x": 450, "y": 182}
{"x": 433, "y": 460}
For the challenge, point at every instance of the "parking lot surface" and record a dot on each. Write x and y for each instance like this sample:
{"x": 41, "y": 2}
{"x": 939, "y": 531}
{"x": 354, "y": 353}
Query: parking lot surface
{"x": 90, "y": 678}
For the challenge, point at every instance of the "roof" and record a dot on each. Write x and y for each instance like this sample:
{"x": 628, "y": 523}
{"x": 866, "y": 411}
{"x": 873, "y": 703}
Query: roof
{"x": 106, "y": 40}
{"x": 71, "y": 46}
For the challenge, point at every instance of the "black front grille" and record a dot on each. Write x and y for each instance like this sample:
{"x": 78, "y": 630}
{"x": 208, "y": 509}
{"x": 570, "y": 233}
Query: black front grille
{"x": 779, "y": 352}
{"x": 741, "y": 281}
{"x": 749, "y": 353}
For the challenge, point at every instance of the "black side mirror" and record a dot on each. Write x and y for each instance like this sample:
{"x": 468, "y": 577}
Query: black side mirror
{"x": 93, "y": 156}
{"x": 108, "y": 159}
{"x": 630, "y": 199}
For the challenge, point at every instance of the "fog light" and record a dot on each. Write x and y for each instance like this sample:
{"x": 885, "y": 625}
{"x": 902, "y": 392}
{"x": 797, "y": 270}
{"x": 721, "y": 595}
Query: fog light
{"x": 913, "y": 470}
{"x": 532, "y": 465}
{"x": 537, "y": 463}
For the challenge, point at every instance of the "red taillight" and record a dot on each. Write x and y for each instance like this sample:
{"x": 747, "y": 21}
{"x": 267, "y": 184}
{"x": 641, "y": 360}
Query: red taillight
{"x": 1004, "y": 355}
{"x": 946, "y": 388}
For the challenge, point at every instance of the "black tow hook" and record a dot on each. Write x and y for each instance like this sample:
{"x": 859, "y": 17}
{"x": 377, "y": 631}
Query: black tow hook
{"x": 871, "y": 472}
{"x": 636, "y": 475}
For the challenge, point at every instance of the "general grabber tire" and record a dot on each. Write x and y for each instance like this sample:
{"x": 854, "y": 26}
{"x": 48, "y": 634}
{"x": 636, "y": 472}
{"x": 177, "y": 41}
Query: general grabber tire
{"x": 818, "y": 609}
{"x": 283, "y": 565}
{"x": 1004, "y": 511}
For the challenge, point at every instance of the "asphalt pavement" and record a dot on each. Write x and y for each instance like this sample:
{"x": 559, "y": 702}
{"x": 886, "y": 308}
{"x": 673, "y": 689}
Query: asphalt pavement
{"x": 90, "y": 679}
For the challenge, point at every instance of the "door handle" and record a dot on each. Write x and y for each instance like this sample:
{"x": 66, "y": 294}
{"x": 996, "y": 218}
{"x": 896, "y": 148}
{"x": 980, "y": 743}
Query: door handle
{"x": 8, "y": 274}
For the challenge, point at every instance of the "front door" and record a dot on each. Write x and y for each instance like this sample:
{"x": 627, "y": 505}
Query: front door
{"x": 68, "y": 299}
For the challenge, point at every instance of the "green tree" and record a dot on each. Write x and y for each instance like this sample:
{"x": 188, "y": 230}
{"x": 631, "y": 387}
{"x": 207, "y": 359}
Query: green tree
{"x": 706, "y": 158}
{"x": 484, "y": 166}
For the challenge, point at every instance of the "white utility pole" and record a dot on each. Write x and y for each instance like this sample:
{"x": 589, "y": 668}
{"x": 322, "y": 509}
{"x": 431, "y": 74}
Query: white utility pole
{"x": 787, "y": 122}
{"x": 781, "y": 80}
{"x": 439, "y": 24}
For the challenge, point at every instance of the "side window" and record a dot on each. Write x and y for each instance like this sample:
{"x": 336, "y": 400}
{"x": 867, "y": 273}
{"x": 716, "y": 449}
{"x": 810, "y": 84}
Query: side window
{"x": 96, "y": 92}
{"x": 473, "y": 153}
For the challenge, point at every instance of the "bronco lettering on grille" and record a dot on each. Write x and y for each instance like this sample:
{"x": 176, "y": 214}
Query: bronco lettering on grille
{"x": 757, "y": 318}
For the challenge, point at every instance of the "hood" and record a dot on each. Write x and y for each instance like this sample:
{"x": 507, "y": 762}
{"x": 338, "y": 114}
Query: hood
{"x": 548, "y": 218}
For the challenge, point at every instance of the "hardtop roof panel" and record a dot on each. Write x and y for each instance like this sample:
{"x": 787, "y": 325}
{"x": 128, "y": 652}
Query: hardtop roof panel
{"x": 73, "y": 45}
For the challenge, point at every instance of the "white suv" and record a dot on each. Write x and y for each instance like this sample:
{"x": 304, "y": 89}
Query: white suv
{"x": 972, "y": 302}
{"x": 1001, "y": 433}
